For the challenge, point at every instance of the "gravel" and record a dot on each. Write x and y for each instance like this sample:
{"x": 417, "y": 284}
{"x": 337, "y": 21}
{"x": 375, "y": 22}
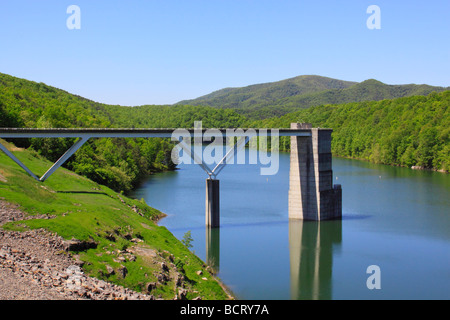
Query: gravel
{"x": 34, "y": 265}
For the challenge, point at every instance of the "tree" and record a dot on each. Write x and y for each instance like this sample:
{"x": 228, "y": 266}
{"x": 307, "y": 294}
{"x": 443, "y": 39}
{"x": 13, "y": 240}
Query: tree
{"x": 187, "y": 239}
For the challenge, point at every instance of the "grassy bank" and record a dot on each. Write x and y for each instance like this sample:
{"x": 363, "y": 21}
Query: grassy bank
{"x": 128, "y": 247}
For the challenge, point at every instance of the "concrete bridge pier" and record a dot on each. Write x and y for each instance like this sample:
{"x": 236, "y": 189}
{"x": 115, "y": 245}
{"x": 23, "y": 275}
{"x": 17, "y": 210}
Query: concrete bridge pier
{"x": 312, "y": 195}
{"x": 212, "y": 203}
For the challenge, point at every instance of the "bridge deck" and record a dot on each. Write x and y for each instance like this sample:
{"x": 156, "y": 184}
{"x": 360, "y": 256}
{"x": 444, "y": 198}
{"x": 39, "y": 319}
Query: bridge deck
{"x": 145, "y": 133}
{"x": 178, "y": 133}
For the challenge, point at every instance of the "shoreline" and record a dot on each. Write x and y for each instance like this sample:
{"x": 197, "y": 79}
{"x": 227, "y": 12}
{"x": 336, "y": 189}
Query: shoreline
{"x": 420, "y": 168}
{"x": 225, "y": 288}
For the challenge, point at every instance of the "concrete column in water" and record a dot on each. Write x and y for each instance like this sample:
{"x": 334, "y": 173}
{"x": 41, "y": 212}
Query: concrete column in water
{"x": 212, "y": 203}
{"x": 312, "y": 195}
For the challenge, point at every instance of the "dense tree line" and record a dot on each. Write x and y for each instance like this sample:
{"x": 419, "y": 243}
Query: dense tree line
{"x": 179, "y": 116}
{"x": 411, "y": 131}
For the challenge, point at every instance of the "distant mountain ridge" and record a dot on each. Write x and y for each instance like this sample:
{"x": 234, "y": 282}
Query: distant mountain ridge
{"x": 278, "y": 98}
{"x": 269, "y": 92}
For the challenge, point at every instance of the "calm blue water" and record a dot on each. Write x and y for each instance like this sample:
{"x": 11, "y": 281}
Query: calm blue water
{"x": 395, "y": 218}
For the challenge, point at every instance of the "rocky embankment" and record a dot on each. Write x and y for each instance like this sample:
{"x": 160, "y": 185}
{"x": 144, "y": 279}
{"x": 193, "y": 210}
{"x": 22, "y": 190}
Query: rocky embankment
{"x": 36, "y": 265}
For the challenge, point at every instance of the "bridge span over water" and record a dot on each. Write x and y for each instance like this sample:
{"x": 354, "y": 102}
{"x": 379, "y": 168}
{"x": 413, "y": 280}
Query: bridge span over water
{"x": 312, "y": 195}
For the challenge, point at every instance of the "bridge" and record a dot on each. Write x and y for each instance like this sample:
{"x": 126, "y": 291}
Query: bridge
{"x": 312, "y": 195}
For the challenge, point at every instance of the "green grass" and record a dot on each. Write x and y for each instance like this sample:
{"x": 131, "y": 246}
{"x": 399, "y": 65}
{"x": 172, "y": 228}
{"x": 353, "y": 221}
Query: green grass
{"x": 86, "y": 210}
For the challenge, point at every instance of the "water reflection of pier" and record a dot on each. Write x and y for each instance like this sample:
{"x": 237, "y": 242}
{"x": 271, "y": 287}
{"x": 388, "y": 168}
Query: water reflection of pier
{"x": 311, "y": 257}
{"x": 311, "y": 248}
{"x": 213, "y": 248}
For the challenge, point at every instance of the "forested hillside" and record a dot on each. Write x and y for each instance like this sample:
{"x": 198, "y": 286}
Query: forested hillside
{"x": 174, "y": 117}
{"x": 117, "y": 163}
{"x": 278, "y": 98}
{"x": 412, "y": 131}
{"x": 264, "y": 94}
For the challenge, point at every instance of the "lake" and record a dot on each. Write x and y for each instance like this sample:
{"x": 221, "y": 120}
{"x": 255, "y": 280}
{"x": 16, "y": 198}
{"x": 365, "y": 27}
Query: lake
{"x": 395, "y": 219}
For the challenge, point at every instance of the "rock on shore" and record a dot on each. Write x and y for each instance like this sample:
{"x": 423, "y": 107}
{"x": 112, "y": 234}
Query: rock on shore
{"x": 35, "y": 265}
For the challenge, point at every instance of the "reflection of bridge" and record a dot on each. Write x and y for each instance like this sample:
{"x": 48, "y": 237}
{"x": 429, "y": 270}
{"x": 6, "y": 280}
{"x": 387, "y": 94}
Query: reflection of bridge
{"x": 311, "y": 192}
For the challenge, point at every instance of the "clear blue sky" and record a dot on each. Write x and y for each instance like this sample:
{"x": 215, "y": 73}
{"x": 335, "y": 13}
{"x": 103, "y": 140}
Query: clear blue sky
{"x": 163, "y": 51}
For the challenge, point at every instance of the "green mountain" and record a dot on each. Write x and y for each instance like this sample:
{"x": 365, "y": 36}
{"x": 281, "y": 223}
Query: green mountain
{"x": 268, "y": 93}
{"x": 278, "y": 98}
